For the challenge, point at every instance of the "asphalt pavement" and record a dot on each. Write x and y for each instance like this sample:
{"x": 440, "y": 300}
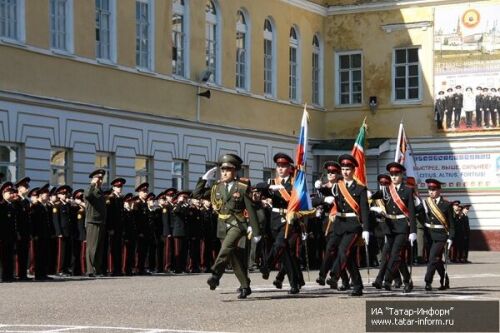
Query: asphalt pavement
{"x": 184, "y": 303}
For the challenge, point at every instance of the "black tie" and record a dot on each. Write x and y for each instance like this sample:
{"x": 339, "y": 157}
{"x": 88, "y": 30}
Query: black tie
{"x": 227, "y": 190}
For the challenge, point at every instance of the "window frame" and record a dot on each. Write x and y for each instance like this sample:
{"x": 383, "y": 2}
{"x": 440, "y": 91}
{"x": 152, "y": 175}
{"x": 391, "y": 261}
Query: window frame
{"x": 150, "y": 65}
{"x": 20, "y": 17}
{"x": 68, "y": 165}
{"x": 294, "y": 81}
{"x": 18, "y": 164}
{"x": 317, "y": 51}
{"x": 68, "y": 26}
{"x": 149, "y": 174}
{"x": 243, "y": 77}
{"x": 407, "y": 100}
{"x": 183, "y": 11}
{"x": 112, "y": 58}
{"x": 110, "y": 169}
{"x": 338, "y": 100}
{"x": 270, "y": 37}
{"x": 215, "y": 23}
{"x": 184, "y": 176}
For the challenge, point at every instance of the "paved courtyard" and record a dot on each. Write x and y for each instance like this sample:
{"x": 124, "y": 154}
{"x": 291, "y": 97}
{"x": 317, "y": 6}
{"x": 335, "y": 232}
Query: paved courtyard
{"x": 184, "y": 303}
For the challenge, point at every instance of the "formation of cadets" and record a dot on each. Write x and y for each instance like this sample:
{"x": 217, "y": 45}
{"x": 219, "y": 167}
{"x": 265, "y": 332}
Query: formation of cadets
{"x": 478, "y": 109}
{"x": 229, "y": 224}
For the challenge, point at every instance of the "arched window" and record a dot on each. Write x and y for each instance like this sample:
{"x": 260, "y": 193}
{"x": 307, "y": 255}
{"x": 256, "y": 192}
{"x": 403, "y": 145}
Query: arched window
{"x": 316, "y": 72}
{"x": 180, "y": 37}
{"x": 242, "y": 51}
{"x": 211, "y": 40}
{"x": 294, "y": 66}
{"x": 269, "y": 59}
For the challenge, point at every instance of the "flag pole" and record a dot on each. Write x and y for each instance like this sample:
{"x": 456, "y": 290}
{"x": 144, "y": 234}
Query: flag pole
{"x": 398, "y": 143}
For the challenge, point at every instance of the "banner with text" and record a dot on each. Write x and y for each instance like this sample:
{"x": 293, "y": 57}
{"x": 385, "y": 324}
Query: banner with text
{"x": 460, "y": 172}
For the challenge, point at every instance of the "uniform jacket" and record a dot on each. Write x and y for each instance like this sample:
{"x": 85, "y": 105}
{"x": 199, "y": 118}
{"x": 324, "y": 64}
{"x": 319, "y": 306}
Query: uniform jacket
{"x": 402, "y": 225}
{"x": 95, "y": 209}
{"x": 352, "y": 224}
{"x": 441, "y": 234}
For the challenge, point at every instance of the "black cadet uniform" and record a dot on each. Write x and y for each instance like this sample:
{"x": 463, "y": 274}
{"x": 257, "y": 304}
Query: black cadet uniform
{"x": 61, "y": 218}
{"x": 78, "y": 234}
{"x": 141, "y": 218}
{"x": 179, "y": 216}
{"x": 440, "y": 232}
{"x": 114, "y": 225}
{"x": 41, "y": 219}
{"x": 23, "y": 227}
{"x": 129, "y": 235}
{"x": 350, "y": 225}
{"x": 8, "y": 234}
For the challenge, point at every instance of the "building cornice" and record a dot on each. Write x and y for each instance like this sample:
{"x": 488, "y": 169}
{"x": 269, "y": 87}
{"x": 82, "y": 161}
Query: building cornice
{"x": 384, "y": 6}
{"x": 423, "y": 25}
{"x": 307, "y": 5}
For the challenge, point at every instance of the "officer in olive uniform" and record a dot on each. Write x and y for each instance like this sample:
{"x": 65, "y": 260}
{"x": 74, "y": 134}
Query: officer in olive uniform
{"x": 230, "y": 198}
{"x": 23, "y": 228}
{"x": 352, "y": 219}
{"x": 8, "y": 233}
{"x": 442, "y": 230}
{"x": 95, "y": 220}
{"x": 399, "y": 216}
{"x": 62, "y": 224}
{"x": 41, "y": 219}
{"x": 114, "y": 225}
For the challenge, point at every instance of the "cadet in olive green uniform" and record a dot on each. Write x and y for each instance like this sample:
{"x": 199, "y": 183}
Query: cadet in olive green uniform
{"x": 230, "y": 198}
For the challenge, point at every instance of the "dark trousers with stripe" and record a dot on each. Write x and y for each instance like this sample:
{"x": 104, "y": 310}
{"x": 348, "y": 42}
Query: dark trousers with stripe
{"x": 7, "y": 259}
{"x": 397, "y": 246}
{"x": 281, "y": 251}
{"x": 22, "y": 250}
{"x": 345, "y": 259}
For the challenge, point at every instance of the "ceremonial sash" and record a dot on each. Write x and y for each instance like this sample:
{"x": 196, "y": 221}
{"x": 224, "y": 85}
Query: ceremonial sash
{"x": 397, "y": 199}
{"x": 437, "y": 212}
{"x": 331, "y": 217}
{"x": 284, "y": 193}
{"x": 348, "y": 197}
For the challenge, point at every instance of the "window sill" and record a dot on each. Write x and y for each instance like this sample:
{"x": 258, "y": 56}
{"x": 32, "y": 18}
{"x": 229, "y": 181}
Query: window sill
{"x": 63, "y": 53}
{"x": 11, "y": 41}
{"x": 179, "y": 77}
{"x": 145, "y": 71}
{"x": 349, "y": 106}
{"x": 407, "y": 102}
{"x": 270, "y": 97}
{"x": 294, "y": 102}
{"x": 243, "y": 91}
{"x": 106, "y": 62}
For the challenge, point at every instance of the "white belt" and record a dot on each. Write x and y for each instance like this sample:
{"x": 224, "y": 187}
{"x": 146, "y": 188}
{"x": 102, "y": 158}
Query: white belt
{"x": 434, "y": 226}
{"x": 279, "y": 210}
{"x": 347, "y": 214}
{"x": 396, "y": 217}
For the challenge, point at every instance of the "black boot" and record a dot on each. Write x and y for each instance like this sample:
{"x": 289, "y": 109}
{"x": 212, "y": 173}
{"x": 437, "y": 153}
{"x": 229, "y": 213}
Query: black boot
{"x": 408, "y": 287}
{"x": 213, "y": 282}
{"x": 320, "y": 280}
{"x": 294, "y": 290}
{"x": 278, "y": 284}
{"x": 428, "y": 287}
{"x": 244, "y": 293}
{"x": 357, "y": 292}
{"x": 332, "y": 282}
{"x": 344, "y": 286}
{"x": 387, "y": 286}
{"x": 377, "y": 285}
{"x": 265, "y": 272}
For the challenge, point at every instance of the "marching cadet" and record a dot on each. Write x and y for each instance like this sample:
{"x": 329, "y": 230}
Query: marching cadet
{"x": 329, "y": 191}
{"x": 95, "y": 219}
{"x": 114, "y": 225}
{"x": 166, "y": 206}
{"x": 442, "y": 230}
{"x": 423, "y": 243}
{"x": 129, "y": 234}
{"x": 62, "y": 225}
{"x": 279, "y": 192}
{"x": 179, "y": 216}
{"x": 352, "y": 217}
{"x": 230, "y": 198}
{"x": 400, "y": 221}
{"x": 8, "y": 232}
{"x": 78, "y": 232}
{"x": 23, "y": 228}
{"x": 41, "y": 219}
{"x": 142, "y": 224}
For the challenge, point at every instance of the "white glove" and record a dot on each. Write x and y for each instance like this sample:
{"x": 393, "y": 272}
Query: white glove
{"x": 304, "y": 236}
{"x": 256, "y": 239}
{"x": 385, "y": 239}
{"x": 366, "y": 236}
{"x": 276, "y": 187}
{"x": 249, "y": 230}
{"x": 317, "y": 184}
{"x": 376, "y": 209}
{"x": 449, "y": 242}
{"x": 210, "y": 174}
{"x": 329, "y": 200}
{"x": 412, "y": 238}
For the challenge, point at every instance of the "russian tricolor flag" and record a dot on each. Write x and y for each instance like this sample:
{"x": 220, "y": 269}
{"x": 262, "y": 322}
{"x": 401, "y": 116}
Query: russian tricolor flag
{"x": 300, "y": 199}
